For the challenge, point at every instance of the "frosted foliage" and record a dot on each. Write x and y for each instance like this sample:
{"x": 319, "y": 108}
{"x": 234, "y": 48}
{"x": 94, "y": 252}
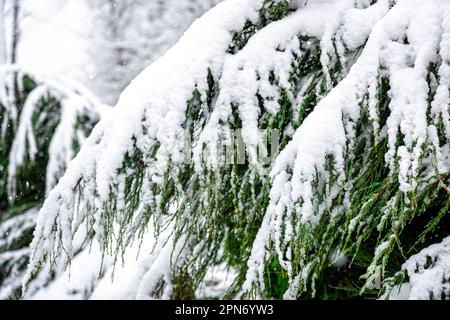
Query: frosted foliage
{"x": 116, "y": 282}
{"x": 330, "y": 129}
{"x": 161, "y": 110}
{"x": 428, "y": 274}
{"x": 245, "y": 75}
{"x": 12, "y": 230}
{"x": 75, "y": 102}
{"x": 44, "y": 121}
{"x": 130, "y": 173}
{"x": 123, "y": 281}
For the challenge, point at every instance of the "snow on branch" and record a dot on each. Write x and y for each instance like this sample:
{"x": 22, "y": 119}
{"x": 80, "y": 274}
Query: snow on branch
{"x": 356, "y": 91}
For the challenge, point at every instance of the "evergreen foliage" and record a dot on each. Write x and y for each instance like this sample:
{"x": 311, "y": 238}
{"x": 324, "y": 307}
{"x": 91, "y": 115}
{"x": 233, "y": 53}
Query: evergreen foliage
{"x": 357, "y": 95}
{"x": 43, "y": 124}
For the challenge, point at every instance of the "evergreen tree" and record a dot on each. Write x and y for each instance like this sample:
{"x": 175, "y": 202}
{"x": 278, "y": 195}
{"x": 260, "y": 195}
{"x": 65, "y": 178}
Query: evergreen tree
{"x": 43, "y": 123}
{"x": 356, "y": 93}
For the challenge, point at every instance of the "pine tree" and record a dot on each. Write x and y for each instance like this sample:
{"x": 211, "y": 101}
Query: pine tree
{"x": 357, "y": 95}
{"x": 43, "y": 123}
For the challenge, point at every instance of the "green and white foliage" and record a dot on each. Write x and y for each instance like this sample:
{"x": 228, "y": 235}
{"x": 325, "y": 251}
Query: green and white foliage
{"x": 43, "y": 123}
{"x": 372, "y": 156}
{"x": 425, "y": 275}
{"x": 357, "y": 95}
{"x": 16, "y": 232}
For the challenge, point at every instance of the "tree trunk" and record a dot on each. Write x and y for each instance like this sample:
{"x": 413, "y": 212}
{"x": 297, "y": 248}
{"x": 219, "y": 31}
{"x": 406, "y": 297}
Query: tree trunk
{"x": 2, "y": 33}
{"x": 15, "y": 30}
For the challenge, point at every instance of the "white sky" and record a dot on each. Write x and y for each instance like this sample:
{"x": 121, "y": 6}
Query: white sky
{"x": 54, "y": 38}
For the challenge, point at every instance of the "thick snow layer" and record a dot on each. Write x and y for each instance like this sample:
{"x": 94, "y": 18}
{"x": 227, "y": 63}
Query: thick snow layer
{"x": 151, "y": 114}
{"x": 245, "y": 74}
{"x": 158, "y": 96}
{"x": 128, "y": 36}
{"x": 330, "y": 127}
{"x": 428, "y": 273}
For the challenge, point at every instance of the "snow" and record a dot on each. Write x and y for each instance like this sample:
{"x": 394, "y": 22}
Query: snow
{"x": 160, "y": 269}
{"x": 275, "y": 45}
{"x": 83, "y": 280}
{"x": 216, "y": 282}
{"x": 24, "y": 137}
{"x": 135, "y": 277}
{"x": 60, "y": 149}
{"x": 12, "y": 229}
{"x": 358, "y": 23}
{"x": 75, "y": 101}
{"x": 158, "y": 95}
{"x": 151, "y": 112}
{"x": 126, "y": 37}
{"x": 428, "y": 273}
{"x": 328, "y": 128}
{"x": 384, "y": 245}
